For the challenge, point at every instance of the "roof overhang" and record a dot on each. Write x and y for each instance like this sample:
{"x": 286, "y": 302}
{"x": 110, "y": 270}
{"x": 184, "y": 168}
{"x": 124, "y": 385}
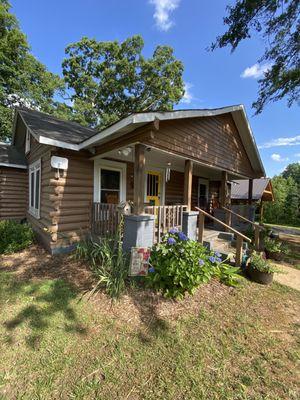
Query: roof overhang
{"x": 137, "y": 120}
{"x": 13, "y": 165}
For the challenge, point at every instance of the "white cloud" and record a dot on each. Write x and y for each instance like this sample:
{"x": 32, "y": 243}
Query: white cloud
{"x": 256, "y": 71}
{"x": 297, "y": 155}
{"x": 277, "y": 157}
{"x": 163, "y": 9}
{"x": 188, "y": 96}
{"x": 285, "y": 141}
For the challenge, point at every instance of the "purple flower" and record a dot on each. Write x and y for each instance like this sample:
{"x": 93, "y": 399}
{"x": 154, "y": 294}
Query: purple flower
{"x": 182, "y": 236}
{"x": 217, "y": 254}
{"x": 218, "y": 259}
{"x": 201, "y": 262}
{"x": 212, "y": 259}
{"x": 151, "y": 269}
{"x": 171, "y": 241}
{"x": 173, "y": 231}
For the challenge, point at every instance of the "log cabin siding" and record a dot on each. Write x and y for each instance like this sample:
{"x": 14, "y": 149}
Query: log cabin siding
{"x": 43, "y": 225}
{"x": 71, "y": 199}
{"x": 13, "y": 193}
{"x": 214, "y": 141}
{"x": 174, "y": 189}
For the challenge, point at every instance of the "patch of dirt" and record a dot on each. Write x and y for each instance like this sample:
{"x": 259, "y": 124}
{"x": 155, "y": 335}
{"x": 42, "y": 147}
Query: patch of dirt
{"x": 36, "y": 263}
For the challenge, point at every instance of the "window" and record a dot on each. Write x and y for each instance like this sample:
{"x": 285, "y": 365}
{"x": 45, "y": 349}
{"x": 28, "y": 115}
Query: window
{"x": 110, "y": 186}
{"x": 35, "y": 188}
{"x": 27, "y": 142}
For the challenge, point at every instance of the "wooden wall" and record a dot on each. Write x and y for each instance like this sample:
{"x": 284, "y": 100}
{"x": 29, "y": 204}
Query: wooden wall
{"x": 13, "y": 193}
{"x": 214, "y": 141}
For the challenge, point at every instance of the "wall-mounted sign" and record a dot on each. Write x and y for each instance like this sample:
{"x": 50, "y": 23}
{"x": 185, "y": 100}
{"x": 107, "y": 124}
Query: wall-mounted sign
{"x": 59, "y": 162}
{"x": 139, "y": 261}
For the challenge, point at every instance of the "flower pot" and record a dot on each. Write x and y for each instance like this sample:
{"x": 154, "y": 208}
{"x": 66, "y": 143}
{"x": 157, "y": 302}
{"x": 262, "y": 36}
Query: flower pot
{"x": 274, "y": 255}
{"x": 264, "y": 278}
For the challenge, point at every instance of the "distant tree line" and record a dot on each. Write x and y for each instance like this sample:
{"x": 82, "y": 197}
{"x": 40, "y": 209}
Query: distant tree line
{"x": 285, "y": 209}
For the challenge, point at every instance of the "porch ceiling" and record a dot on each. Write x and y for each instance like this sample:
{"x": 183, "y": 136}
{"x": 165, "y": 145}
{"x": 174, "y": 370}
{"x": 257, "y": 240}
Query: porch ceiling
{"x": 159, "y": 159}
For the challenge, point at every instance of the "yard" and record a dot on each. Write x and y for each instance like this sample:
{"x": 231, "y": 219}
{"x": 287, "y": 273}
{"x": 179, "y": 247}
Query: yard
{"x": 222, "y": 343}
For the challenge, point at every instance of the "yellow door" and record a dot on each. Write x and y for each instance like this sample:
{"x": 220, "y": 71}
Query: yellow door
{"x": 153, "y": 188}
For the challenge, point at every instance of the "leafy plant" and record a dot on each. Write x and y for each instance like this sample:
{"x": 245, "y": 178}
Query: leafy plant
{"x": 179, "y": 265}
{"x": 14, "y": 236}
{"x": 259, "y": 263}
{"x": 275, "y": 246}
{"x": 108, "y": 263}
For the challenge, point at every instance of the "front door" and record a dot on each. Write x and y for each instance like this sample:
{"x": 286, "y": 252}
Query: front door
{"x": 153, "y": 194}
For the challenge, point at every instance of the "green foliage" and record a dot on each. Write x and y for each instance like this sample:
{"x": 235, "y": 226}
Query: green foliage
{"x": 278, "y": 23}
{"x": 14, "y": 236}
{"x": 23, "y": 79}
{"x": 292, "y": 171}
{"x": 110, "y": 80}
{"x": 274, "y": 246}
{"x": 179, "y": 265}
{"x": 108, "y": 263}
{"x": 259, "y": 263}
{"x": 286, "y": 207}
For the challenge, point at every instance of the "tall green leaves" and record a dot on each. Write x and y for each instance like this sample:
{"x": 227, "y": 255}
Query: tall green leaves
{"x": 109, "y": 80}
{"x": 278, "y": 22}
{"x": 23, "y": 79}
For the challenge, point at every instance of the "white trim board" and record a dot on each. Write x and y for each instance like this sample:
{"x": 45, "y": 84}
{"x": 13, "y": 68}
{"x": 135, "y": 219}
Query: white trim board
{"x": 13, "y": 166}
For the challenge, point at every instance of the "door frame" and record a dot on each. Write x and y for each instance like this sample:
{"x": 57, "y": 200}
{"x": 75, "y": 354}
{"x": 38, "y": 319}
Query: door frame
{"x": 162, "y": 172}
{"x": 205, "y": 182}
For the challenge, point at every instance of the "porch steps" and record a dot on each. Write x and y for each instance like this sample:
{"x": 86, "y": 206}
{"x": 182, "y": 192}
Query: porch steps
{"x": 221, "y": 242}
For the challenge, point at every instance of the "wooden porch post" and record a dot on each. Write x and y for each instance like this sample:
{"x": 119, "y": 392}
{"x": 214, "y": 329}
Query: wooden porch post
{"x": 225, "y": 199}
{"x": 139, "y": 179}
{"x": 188, "y": 176}
{"x": 250, "y": 191}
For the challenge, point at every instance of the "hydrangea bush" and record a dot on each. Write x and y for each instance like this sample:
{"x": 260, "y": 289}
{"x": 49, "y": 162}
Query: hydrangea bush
{"x": 179, "y": 265}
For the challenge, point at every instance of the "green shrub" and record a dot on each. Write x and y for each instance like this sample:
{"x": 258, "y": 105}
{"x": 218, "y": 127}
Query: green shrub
{"x": 275, "y": 246}
{"x": 179, "y": 265}
{"x": 108, "y": 263}
{"x": 259, "y": 263}
{"x": 14, "y": 236}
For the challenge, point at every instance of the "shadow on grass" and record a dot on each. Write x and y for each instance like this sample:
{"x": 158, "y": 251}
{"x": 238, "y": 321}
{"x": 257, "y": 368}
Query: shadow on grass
{"x": 43, "y": 302}
{"x": 153, "y": 325}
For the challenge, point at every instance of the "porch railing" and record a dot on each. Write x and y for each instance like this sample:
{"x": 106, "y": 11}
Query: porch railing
{"x": 105, "y": 219}
{"x": 167, "y": 217}
{"x": 239, "y": 236}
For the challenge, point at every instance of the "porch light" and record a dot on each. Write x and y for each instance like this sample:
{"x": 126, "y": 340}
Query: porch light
{"x": 125, "y": 152}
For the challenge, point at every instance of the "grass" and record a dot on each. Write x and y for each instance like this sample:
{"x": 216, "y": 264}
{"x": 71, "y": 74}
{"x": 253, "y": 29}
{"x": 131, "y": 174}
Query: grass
{"x": 237, "y": 344}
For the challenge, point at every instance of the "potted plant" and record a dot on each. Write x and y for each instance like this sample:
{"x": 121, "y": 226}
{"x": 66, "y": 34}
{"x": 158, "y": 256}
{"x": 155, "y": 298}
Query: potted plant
{"x": 259, "y": 269}
{"x": 274, "y": 249}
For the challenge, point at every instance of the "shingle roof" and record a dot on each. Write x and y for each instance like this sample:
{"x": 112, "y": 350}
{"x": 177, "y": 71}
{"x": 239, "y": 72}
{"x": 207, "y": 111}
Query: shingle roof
{"x": 239, "y": 188}
{"x": 46, "y": 125}
{"x": 10, "y": 156}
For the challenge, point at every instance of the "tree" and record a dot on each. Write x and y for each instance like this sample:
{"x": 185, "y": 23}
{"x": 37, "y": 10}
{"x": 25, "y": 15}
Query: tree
{"x": 278, "y": 23}
{"x": 109, "y": 80}
{"x": 292, "y": 202}
{"x": 293, "y": 171}
{"x": 23, "y": 79}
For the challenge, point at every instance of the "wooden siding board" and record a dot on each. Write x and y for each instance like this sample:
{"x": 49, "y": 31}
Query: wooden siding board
{"x": 13, "y": 193}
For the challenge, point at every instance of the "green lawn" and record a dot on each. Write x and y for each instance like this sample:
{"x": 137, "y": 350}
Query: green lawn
{"x": 222, "y": 344}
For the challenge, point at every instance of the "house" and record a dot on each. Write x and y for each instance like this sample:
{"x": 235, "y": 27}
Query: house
{"x": 72, "y": 179}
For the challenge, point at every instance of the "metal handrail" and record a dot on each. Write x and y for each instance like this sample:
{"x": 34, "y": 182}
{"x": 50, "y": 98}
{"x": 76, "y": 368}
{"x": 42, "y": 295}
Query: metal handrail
{"x": 244, "y": 218}
{"x": 223, "y": 224}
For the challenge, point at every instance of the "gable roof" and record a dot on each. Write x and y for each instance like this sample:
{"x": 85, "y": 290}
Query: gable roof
{"x": 11, "y": 157}
{"x": 53, "y": 131}
{"x": 239, "y": 188}
{"x": 43, "y": 125}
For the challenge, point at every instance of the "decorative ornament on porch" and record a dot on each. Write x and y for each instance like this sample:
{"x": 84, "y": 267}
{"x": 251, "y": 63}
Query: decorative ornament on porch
{"x": 139, "y": 261}
{"x": 125, "y": 152}
{"x": 168, "y": 172}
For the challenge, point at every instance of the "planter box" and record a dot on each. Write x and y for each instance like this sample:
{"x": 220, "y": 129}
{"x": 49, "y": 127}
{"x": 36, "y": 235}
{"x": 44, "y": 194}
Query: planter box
{"x": 277, "y": 256}
{"x": 263, "y": 278}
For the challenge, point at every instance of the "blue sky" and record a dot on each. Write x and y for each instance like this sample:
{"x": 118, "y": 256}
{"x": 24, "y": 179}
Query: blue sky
{"x": 213, "y": 79}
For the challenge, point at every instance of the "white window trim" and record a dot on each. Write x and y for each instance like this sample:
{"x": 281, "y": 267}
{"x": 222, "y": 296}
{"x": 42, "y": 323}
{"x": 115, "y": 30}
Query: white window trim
{"x": 99, "y": 164}
{"x": 27, "y": 141}
{"x": 34, "y": 167}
